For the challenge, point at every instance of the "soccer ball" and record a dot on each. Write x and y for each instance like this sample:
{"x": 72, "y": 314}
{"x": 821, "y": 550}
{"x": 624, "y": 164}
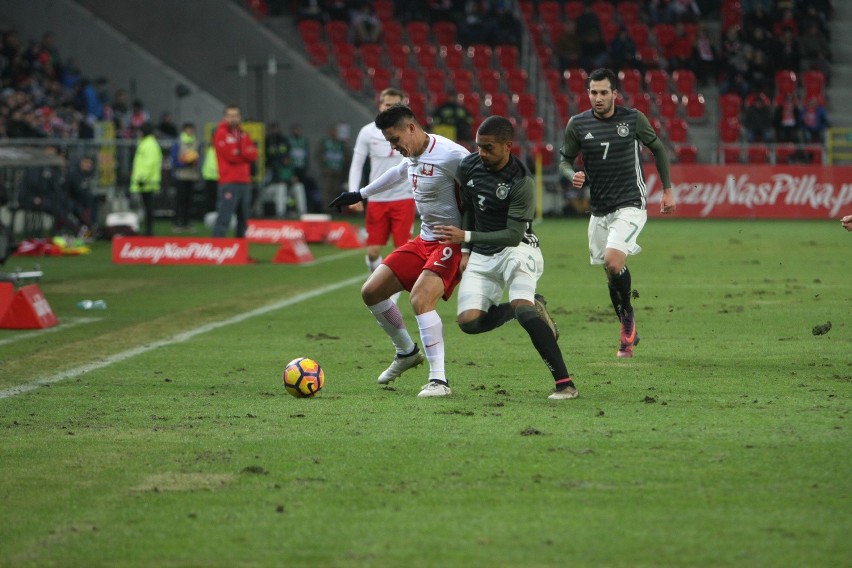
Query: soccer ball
{"x": 303, "y": 377}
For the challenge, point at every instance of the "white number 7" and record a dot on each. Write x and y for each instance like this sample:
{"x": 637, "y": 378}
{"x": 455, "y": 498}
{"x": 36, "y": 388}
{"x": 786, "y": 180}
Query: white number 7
{"x": 606, "y": 148}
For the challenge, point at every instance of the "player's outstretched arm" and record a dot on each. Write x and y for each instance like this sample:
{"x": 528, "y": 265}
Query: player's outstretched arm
{"x": 847, "y": 222}
{"x": 346, "y": 198}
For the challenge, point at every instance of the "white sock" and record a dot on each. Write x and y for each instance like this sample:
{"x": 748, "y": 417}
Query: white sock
{"x": 372, "y": 265}
{"x": 432, "y": 335}
{"x": 389, "y": 317}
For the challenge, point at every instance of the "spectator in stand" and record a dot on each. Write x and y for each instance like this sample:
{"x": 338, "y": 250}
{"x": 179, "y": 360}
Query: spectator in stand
{"x": 705, "y": 58}
{"x": 474, "y": 27}
{"x": 761, "y": 74}
{"x": 185, "y": 172}
{"x": 732, "y": 52}
{"x": 815, "y": 50}
{"x": 786, "y": 54}
{"x": 337, "y": 10}
{"x": 80, "y": 185}
{"x": 758, "y": 18}
{"x": 138, "y": 117}
{"x": 366, "y": 27}
{"x": 235, "y": 153}
{"x": 809, "y": 14}
{"x": 683, "y": 11}
{"x": 593, "y": 49}
{"x": 735, "y": 83}
{"x": 334, "y": 163}
{"x": 121, "y": 113}
{"x": 757, "y": 119}
{"x": 814, "y": 121}
{"x": 788, "y": 119}
{"x": 787, "y": 21}
{"x": 147, "y": 171}
{"x": 622, "y": 51}
{"x": 680, "y": 50}
{"x": 166, "y": 127}
{"x": 505, "y": 28}
{"x": 567, "y": 46}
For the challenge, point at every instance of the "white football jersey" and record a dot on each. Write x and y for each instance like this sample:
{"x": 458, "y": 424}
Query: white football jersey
{"x": 371, "y": 144}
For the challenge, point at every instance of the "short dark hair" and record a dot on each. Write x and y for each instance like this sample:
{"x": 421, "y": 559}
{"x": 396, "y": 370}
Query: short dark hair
{"x": 146, "y": 129}
{"x": 394, "y": 116}
{"x": 604, "y": 73}
{"x": 498, "y": 126}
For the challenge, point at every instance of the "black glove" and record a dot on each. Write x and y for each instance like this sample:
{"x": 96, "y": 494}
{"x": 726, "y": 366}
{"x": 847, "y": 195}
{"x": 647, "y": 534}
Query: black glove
{"x": 346, "y": 198}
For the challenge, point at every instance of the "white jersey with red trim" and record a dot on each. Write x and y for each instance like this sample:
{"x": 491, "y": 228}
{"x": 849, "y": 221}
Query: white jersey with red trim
{"x": 371, "y": 145}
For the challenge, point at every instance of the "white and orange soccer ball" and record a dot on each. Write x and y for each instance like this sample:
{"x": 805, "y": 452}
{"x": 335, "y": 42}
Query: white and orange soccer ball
{"x": 303, "y": 377}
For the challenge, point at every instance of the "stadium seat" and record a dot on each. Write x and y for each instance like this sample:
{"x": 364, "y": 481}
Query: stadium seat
{"x": 435, "y": 78}
{"x": 576, "y": 79}
{"x": 426, "y": 55}
{"x": 641, "y": 102}
{"x": 533, "y": 129}
{"x": 480, "y": 55}
{"x": 317, "y": 54}
{"x": 452, "y": 55}
{"x": 527, "y": 8}
{"x": 444, "y": 32}
{"x": 609, "y": 30}
{"x": 409, "y": 80}
{"x": 554, "y": 80}
{"x": 417, "y": 102}
{"x": 337, "y": 31}
{"x": 471, "y": 101}
{"x": 629, "y": 12}
{"x": 695, "y": 107}
{"x": 758, "y": 154}
{"x": 813, "y": 83}
{"x": 668, "y": 106}
{"x": 392, "y": 33}
{"x": 785, "y": 82}
{"x": 380, "y": 77}
{"x": 657, "y": 81}
{"x": 549, "y": 11}
{"x": 507, "y": 56}
{"x": 310, "y": 31}
{"x": 684, "y": 81}
{"x": 344, "y": 55}
{"x": 516, "y": 80}
{"x": 784, "y": 152}
{"x": 730, "y": 105}
{"x": 665, "y": 35}
{"x": 489, "y": 80}
{"x": 418, "y": 32}
{"x": 384, "y": 10}
{"x": 353, "y": 78}
{"x": 732, "y": 154}
{"x": 563, "y": 106}
{"x": 582, "y": 102}
{"x": 399, "y": 57}
{"x": 525, "y": 104}
{"x": 677, "y": 130}
{"x": 498, "y": 103}
{"x": 604, "y": 10}
{"x": 639, "y": 33}
{"x": 686, "y": 153}
{"x": 462, "y": 80}
{"x": 573, "y": 9}
{"x": 630, "y": 81}
{"x": 371, "y": 55}
{"x": 729, "y": 130}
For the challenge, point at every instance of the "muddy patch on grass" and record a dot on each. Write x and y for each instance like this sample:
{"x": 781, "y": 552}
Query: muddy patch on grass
{"x": 171, "y": 481}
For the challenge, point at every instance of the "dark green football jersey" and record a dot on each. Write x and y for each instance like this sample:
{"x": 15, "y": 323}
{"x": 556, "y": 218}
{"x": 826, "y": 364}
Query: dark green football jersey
{"x": 611, "y": 160}
{"x": 493, "y": 199}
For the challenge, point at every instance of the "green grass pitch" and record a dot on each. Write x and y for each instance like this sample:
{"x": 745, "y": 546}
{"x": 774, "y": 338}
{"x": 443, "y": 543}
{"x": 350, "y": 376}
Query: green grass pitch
{"x": 158, "y": 433}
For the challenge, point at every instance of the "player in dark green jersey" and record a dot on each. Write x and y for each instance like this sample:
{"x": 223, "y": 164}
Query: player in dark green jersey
{"x": 610, "y": 138}
{"x": 500, "y": 250}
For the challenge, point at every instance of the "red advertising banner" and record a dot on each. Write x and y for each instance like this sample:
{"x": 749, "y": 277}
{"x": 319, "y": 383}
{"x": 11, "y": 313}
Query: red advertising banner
{"x": 277, "y": 230}
{"x": 179, "y": 250}
{"x": 765, "y": 192}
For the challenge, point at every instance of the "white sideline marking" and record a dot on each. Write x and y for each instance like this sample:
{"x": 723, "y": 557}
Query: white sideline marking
{"x": 179, "y": 338}
{"x": 70, "y": 322}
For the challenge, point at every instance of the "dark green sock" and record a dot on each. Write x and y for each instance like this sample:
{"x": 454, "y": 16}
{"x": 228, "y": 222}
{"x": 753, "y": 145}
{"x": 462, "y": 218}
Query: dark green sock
{"x": 619, "y": 292}
{"x": 543, "y": 340}
{"x": 493, "y": 318}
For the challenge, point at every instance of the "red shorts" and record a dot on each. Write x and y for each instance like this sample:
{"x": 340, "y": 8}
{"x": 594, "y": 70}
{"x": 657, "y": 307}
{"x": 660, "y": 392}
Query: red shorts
{"x": 415, "y": 256}
{"x": 386, "y": 218}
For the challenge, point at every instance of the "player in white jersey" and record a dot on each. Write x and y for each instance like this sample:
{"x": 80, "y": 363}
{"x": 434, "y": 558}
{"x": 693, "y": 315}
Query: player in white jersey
{"x": 426, "y": 268}
{"x": 390, "y": 213}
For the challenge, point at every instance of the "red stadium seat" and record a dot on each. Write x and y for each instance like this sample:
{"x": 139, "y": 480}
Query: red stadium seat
{"x": 317, "y": 54}
{"x": 582, "y": 102}
{"x": 452, "y": 55}
{"x": 649, "y": 56}
{"x": 489, "y": 81}
{"x": 563, "y": 106}
{"x": 604, "y": 10}
{"x": 344, "y": 55}
{"x": 695, "y": 107}
{"x": 409, "y": 80}
{"x": 310, "y": 31}
{"x": 732, "y": 154}
{"x": 418, "y": 32}
{"x": 609, "y": 29}
{"x": 353, "y": 78}
{"x": 630, "y": 81}
{"x": 686, "y": 153}
{"x": 573, "y": 9}
{"x": 668, "y": 106}
{"x": 576, "y": 80}
{"x": 665, "y": 35}
{"x": 639, "y": 33}
{"x": 629, "y": 11}
{"x": 516, "y": 79}
{"x": 392, "y": 33}
{"x": 471, "y": 101}
{"x": 684, "y": 81}
{"x": 657, "y": 81}
{"x": 507, "y": 56}
{"x": 730, "y": 105}
{"x": 783, "y": 153}
{"x": 380, "y": 77}
{"x": 526, "y": 104}
{"x": 445, "y": 32}
{"x": 533, "y": 129}
{"x": 337, "y": 31}
{"x": 384, "y": 10}
{"x": 462, "y": 80}
{"x": 371, "y": 55}
{"x": 549, "y": 11}
{"x": 813, "y": 83}
{"x": 642, "y": 103}
{"x": 435, "y": 78}
{"x": 677, "y": 130}
{"x": 417, "y": 102}
{"x": 498, "y": 103}
{"x": 785, "y": 82}
{"x": 554, "y": 80}
{"x": 426, "y": 55}
{"x": 729, "y": 130}
{"x": 480, "y": 55}
{"x": 757, "y": 154}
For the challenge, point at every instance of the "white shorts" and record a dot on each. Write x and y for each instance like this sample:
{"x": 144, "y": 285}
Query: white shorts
{"x": 619, "y": 230}
{"x": 486, "y": 277}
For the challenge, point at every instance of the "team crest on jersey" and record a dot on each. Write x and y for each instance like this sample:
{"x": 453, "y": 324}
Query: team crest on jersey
{"x": 622, "y": 130}
{"x": 502, "y": 191}
{"x": 427, "y": 170}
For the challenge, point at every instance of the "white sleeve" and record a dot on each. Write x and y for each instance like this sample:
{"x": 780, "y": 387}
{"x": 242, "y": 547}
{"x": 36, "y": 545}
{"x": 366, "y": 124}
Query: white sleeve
{"x": 359, "y": 157}
{"x": 386, "y": 180}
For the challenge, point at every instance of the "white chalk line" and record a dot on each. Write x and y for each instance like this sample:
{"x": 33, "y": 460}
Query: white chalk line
{"x": 63, "y": 325}
{"x": 178, "y": 338}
